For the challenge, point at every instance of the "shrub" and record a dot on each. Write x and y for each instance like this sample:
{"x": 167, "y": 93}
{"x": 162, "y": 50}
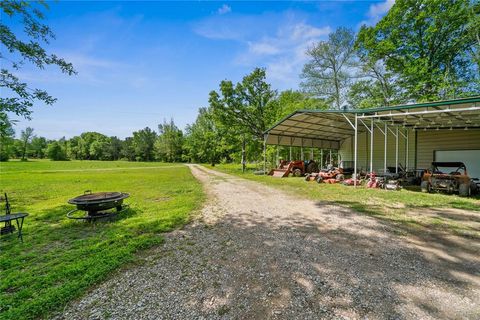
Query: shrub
{"x": 55, "y": 152}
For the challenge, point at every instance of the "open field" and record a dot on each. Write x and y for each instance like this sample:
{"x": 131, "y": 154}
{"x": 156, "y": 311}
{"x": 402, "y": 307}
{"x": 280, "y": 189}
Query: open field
{"x": 408, "y": 211}
{"x": 61, "y": 258}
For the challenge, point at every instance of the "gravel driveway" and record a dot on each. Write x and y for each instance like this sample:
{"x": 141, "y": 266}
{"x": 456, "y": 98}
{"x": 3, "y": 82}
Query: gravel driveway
{"x": 255, "y": 252}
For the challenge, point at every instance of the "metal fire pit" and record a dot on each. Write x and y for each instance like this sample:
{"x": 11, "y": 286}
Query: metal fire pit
{"x": 97, "y": 205}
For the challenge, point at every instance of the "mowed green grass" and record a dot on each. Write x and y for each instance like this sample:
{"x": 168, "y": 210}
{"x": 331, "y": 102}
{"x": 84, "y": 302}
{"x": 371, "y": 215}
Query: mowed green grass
{"x": 403, "y": 210}
{"x": 61, "y": 258}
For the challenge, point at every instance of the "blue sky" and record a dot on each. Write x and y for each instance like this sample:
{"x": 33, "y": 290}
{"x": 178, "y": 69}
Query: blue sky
{"x": 141, "y": 62}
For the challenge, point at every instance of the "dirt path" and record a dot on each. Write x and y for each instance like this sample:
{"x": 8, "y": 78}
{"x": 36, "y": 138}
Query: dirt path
{"x": 256, "y": 253}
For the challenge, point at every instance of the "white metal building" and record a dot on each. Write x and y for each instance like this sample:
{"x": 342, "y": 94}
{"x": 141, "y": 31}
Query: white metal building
{"x": 411, "y": 135}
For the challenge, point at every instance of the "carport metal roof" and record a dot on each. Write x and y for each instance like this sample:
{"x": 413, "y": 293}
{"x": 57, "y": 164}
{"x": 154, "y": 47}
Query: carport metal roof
{"x": 327, "y": 128}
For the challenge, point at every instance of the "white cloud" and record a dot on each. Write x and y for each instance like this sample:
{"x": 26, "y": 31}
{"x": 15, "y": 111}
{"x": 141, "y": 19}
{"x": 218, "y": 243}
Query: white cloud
{"x": 377, "y": 11}
{"x": 263, "y": 48}
{"x": 229, "y": 27}
{"x": 224, "y": 9}
{"x": 303, "y": 31}
{"x": 276, "y": 41}
{"x": 285, "y": 53}
{"x": 90, "y": 70}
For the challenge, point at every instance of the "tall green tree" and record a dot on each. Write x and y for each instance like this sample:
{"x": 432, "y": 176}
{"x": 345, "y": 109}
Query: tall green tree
{"x": 7, "y": 134}
{"x": 128, "y": 149}
{"x": 114, "y": 148}
{"x": 169, "y": 144}
{"x": 86, "y": 151}
{"x": 474, "y": 29}
{"x": 289, "y": 101}
{"x": 203, "y": 141}
{"x": 27, "y": 47}
{"x": 243, "y": 107}
{"x": 330, "y": 70}
{"x": 38, "y": 147}
{"x": 99, "y": 149}
{"x": 428, "y": 45}
{"x": 75, "y": 147}
{"x": 56, "y": 152}
{"x": 143, "y": 144}
{"x": 26, "y": 136}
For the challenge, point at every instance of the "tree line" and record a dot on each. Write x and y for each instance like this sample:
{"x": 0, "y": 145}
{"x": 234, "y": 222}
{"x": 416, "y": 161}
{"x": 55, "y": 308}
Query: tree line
{"x": 213, "y": 137}
{"x": 421, "y": 50}
{"x": 165, "y": 145}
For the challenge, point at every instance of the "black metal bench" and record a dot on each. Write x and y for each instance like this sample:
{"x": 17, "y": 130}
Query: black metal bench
{"x": 18, "y": 217}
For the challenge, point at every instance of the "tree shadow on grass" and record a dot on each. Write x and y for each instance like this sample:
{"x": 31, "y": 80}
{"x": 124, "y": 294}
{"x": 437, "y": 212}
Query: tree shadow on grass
{"x": 418, "y": 219}
{"x": 56, "y": 247}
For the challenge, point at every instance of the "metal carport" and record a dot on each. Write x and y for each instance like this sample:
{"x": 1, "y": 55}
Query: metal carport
{"x": 328, "y": 128}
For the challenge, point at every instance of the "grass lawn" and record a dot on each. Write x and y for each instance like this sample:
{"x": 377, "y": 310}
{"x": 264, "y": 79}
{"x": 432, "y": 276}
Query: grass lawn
{"x": 61, "y": 258}
{"x": 408, "y": 211}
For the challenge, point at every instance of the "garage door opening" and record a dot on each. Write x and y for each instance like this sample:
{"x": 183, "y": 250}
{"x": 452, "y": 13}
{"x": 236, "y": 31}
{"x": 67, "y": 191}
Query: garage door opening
{"x": 471, "y": 159}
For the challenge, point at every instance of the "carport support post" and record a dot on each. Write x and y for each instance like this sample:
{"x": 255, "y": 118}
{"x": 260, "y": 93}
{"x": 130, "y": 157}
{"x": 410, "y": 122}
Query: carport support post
{"x": 355, "y": 152}
{"x": 277, "y": 160}
{"x": 396, "y": 149}
{"x": 371, "y": 145}
{"x": 301, "y": 151}
{"x": 330, "y": 156}
{"x": 385, "y": 151}
{"x": 265, "y": 154}
{"x": 278, "y": 148}
{"x": 406, "y": 143}
{"x": 321, "y": 158}
{"x": 290, "y": 159}
{"x": 244, "y": 160}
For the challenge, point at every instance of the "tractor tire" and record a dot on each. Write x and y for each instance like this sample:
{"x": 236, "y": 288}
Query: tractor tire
{"x": 474, "y": 189}
{"x": 312, "y": 167}
{"x": 340, "y": 177}
{"x": 307, "y": 177}
{"x": 297, "y": 172}
{"x": 319, "y": 179}
{"x": 425, "y": 187}
{"x": 464, "y": 190}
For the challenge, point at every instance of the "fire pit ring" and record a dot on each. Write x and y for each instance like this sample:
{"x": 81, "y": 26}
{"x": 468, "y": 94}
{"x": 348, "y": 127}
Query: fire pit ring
{"x": 97, "y": 205}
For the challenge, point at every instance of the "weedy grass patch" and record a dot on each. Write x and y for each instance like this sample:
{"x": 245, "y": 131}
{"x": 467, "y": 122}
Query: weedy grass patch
{"x": 61, "y": 258}
{"x": 406, "y": 211}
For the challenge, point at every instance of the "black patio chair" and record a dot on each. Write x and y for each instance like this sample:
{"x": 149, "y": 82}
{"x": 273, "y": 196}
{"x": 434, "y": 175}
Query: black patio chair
{"x": 18, "y": 217}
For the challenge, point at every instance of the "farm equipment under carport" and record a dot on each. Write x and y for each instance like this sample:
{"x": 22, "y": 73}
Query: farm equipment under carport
{"x": 329, "y": 175}
{"x": 395, "y": 178}
{"x": 297, "y": 168}
{"x": 456, "y": 181}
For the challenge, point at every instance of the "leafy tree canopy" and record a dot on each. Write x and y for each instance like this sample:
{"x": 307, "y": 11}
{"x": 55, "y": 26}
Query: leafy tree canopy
{"x": 429, "y": 44}
{"x": 56, "y": 152}
{"x": 169, "y": 144}
{"x": 289, "y": 101}
{"x": 331, "y": 67}
{"x": 17, "y": 97}
{"x": 243, "y": 106}
{"x": 143, "y": 144}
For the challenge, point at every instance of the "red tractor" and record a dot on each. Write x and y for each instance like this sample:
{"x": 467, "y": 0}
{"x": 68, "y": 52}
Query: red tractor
{"x": 296, "y": 168}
